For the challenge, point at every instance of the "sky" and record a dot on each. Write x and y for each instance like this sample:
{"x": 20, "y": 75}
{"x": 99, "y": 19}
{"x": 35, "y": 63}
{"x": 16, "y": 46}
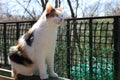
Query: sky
{"x": 15, "y": 9}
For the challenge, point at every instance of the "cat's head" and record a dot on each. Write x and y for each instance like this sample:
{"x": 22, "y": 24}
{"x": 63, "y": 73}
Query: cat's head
{"x": 53, "y": 15}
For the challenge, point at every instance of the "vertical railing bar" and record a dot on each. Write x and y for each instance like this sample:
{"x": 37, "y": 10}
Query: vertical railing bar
{"x": 116, "y": 55}
{"x": 17, "y": 30}
{"x": 95, "y": 48}
{"x": 100, "y": 42}
{"x": 112, "y": 46}
{"x": 32, "y": 23}
{"x": 68, "y": 39}
{"x": 90, "y": 51}
{"x": 84, "y": 48}
{"x": 106, "y": 31}
{"x": 106, "y": 42}
{"x": 5, "y": 47}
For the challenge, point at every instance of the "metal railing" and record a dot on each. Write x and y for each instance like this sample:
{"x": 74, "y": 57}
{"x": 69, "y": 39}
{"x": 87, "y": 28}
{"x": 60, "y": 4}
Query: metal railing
{"x": 87, "y": 48}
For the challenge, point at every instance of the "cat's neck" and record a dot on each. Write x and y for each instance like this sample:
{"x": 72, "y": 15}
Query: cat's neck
{"x": 41, "y": 21}
{"x": 44, "y": 23}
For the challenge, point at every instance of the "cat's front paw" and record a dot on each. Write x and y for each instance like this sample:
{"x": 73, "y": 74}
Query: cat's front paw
{"x": 43, "y": 76}
{"x": 53, "y": 75}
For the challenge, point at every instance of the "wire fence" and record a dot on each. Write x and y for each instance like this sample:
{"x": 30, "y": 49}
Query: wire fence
{"x": 87, "y": 48}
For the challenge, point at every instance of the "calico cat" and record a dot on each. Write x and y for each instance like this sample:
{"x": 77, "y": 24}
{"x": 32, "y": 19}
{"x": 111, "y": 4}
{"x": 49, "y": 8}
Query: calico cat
{"x": 35, "y": 49}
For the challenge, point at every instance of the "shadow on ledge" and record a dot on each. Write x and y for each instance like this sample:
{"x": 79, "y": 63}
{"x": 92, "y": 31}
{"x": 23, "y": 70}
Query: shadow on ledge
{"x": 22, "y": 77}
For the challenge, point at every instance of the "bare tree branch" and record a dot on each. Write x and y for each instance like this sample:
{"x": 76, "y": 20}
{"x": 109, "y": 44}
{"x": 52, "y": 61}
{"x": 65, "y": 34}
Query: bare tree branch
{"x": 82, "y": 10}
{"x": 71, "y": 9}
{"x": 38, "y": 1}
{"x": 56, "y": 3}
{"x": 77, "y": 4}
{"x": 28, "y": 4}
{"x": 59, "y": 3}
{"x": 46, "y": 1}
{"x": 95, "y": 8}
{"x": 112, "y": 8}
{"x": 43, "y": 4}
{"x": 25, "y": 9}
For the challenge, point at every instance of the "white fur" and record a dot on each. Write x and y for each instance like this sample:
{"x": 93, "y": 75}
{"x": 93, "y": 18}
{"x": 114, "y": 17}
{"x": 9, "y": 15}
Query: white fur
{"x": 43, "y": 47}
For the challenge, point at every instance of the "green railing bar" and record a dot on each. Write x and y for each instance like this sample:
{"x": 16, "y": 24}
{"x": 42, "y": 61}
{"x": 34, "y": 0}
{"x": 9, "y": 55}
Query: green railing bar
{"x": 90, "y": 49}
{"x": 116, "y": 33}
{"x": 68, "y": 38}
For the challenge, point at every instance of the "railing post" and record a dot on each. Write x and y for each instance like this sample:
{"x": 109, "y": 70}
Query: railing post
{"x": 32, "y": 23}
{"x": 116, "y": 55}
{"x": 5, "y": 49}
{"x": 17, "y": 30}
{"x": 68, "y": 39}
{"x": 90, "y": 50}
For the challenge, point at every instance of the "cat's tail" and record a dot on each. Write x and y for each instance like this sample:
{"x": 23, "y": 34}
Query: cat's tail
{"x": 16, "y": 56}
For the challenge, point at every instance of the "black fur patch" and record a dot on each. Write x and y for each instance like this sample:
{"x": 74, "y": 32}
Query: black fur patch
{"x": 29, "y": 37}
{"x": 20, "y": 59}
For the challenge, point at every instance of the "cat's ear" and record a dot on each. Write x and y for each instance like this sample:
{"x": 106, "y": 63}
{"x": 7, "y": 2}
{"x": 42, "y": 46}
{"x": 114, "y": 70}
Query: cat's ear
{"x": 49, "y": 7}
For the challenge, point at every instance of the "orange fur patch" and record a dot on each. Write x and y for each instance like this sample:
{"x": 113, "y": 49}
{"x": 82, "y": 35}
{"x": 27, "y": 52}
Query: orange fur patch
{"x": 30, "y": 31}
{"x": 19, "y": 47}
{"x": 22, "y": 52}
{"x": 49, "y": 7}
{"x": 52, "y": 14}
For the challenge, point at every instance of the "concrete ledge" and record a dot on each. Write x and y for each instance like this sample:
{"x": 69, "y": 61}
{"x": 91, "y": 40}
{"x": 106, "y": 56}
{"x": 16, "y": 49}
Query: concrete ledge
{"x": 5, "y": 75}
{"x": 22, "y": 77}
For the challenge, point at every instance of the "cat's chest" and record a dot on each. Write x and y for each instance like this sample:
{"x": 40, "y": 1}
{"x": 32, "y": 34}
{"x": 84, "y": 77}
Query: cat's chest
{"x": 45, "y": 38}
